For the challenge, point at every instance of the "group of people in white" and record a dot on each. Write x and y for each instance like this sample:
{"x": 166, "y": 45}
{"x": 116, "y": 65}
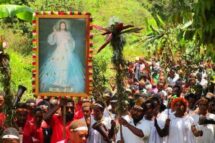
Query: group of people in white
{"x": 168, "y": 108}
{"x": 144, "y": 123}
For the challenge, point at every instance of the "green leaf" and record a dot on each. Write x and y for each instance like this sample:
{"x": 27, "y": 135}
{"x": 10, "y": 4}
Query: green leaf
{"x": 150, "y": 22}
{"x": 25, "y": 16}
{"x": 4, "y": 1}
{"x": 132, "y": 30}
{"x": 3, "y": 12}
{"x": 160, "y": 21}
{"x": 22, "y": 12}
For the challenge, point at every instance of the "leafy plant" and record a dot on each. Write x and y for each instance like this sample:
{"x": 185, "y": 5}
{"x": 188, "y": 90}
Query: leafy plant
{"x": 204, "y": 23}
{"x": 20, "y": 11}
{"x": 99, "y": 80}
{"x": 115, "y": 37}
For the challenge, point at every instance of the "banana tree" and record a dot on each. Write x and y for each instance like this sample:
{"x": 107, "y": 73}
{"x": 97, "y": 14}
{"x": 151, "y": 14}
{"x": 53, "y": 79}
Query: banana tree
{"x": 204, "y": 24}
{"x": 169, "y": 43}
{"x": 20, "y": 11}
{"x": 10, "y": 11}
{"x": 201, "y": 13}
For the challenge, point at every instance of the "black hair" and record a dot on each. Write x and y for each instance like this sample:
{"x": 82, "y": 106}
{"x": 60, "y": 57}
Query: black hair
{"x": 44, "y": 102}
{"x": 148, "y": 104}
{"x": 37, "y": 109}
{"x": 190, "y": 95}
{"x": 21, "y": 105}
{"x": 178, "y": 89}
{"x": 61, "y": 23}
{"x": 155, "y": 100}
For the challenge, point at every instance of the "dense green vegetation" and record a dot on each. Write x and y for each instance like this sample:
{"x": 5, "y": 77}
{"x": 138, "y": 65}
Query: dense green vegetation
{"x": 172, "y": 30}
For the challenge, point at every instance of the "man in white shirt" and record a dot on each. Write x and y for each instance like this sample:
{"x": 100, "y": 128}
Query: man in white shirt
{"x": 134, "y": 129}
{"x": 172, "y": 78}
{"x": 199, "y": 118}
{"x": 101, "y": 128}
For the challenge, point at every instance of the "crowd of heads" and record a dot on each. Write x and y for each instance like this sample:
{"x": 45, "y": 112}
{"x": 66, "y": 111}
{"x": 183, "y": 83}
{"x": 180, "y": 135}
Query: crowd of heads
{"x": 151, "y": 89}
{"x": 148, "y": 78}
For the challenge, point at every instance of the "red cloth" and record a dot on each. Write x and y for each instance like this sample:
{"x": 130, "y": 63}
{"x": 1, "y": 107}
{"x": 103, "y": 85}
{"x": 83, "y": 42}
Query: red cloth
{"x": 38, "y": 135}
{"x": 2, "y": 120}
{"x": 28, "y": 129}
{"x": 33, "y": 134}
{"x": 30, "y": 118}
{"x": 58, "y": 128}
{"x": 28, "y": 132}
{"x": 78, "y": 111}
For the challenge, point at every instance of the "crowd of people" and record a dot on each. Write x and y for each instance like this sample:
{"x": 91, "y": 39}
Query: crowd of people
{"x": 172, "y": 104}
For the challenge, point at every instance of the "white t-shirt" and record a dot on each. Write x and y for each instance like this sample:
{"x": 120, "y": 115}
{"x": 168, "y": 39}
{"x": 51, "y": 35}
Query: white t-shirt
{"x": 147, "y": 127}
{"x": 154, "y": 136}
{"x": 95, "y": 136}
{"x": 172, "y": 81}
{"x": 180, "y": 130}
{"x": 204, "y": 83}
{"x": 130, "y": 137}
{"x": 208, "y": 130}
{"x": 108, "y": 114}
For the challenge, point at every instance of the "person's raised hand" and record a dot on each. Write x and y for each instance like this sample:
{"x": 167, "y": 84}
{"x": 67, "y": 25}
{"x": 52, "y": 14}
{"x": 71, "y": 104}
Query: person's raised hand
{"x": 123, "y": 122}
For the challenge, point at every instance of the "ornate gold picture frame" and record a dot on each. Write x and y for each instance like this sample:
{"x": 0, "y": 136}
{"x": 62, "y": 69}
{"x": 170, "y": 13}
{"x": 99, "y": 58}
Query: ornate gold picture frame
{"x": 62, "y": 57}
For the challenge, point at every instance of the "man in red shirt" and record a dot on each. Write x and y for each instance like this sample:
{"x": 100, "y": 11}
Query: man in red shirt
{"x": 20, "y": 118}
{"x": 29, "y": 126}
{"x": 33, "y": 131}
{"x": 31, "y": 105}
{"x": 60, "y": 127}
{"x": 2, "y": 115}
{"x": 21, "y": 114}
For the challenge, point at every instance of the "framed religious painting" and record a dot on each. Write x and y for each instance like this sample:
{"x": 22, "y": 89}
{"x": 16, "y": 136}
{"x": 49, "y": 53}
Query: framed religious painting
{"x": 62, "y": 56}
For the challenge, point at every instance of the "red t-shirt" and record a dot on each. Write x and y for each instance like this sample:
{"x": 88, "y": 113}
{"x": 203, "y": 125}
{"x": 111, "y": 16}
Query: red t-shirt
{"x": 58, "y": 128}
{"x": 2, "y": 120}
{"x": 28, "y": 132}
{"x": 38, "y": 135}
{"x": 78, "y": 111}
{"x": 33, "y": 134}
{"x": 30, "y": 118}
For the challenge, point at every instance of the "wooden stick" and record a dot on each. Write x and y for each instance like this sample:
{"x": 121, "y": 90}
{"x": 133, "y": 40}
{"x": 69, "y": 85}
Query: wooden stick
{"x": 121, "y": 135}
{"x": 64, "y": 122}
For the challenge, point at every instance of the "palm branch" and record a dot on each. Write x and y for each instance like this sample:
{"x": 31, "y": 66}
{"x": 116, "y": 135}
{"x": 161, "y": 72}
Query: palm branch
{"x": 115, "y": 37}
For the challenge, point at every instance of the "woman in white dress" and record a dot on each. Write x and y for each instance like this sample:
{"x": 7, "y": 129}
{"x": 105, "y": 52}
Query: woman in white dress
{"x": 62, "y": 71}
